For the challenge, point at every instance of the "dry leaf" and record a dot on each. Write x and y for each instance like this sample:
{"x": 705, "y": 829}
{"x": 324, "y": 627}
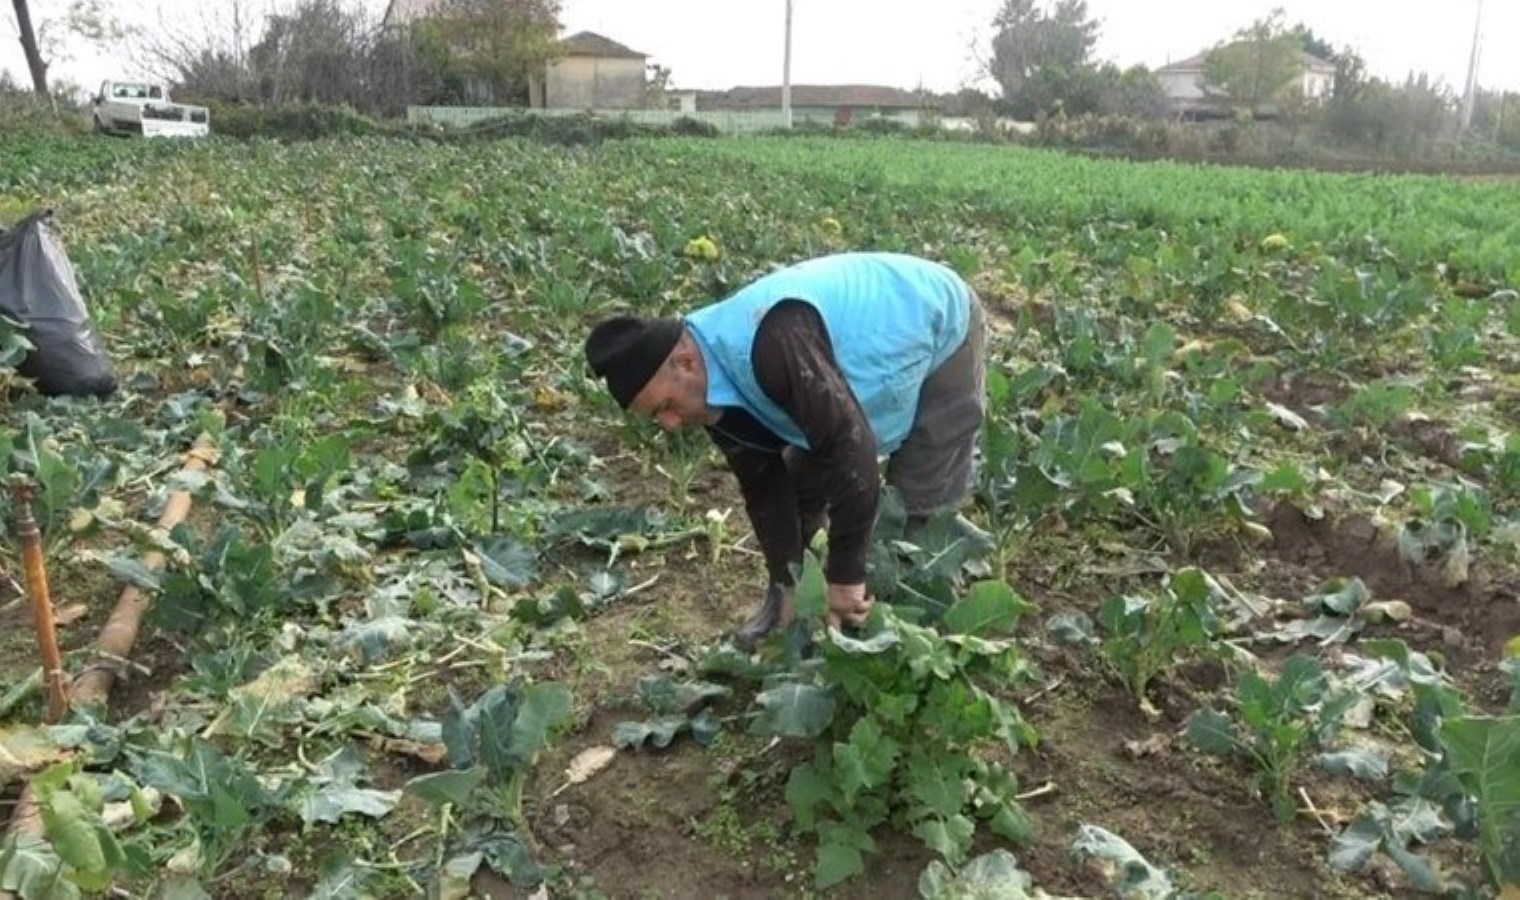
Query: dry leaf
{"x": 1154, "y": 745}
{"x": 1287, "y": 417}
{"x": 24, "y": 750}
{"x": 71, "y": 613}
{"x": 587, "y": 764}
{"x": 433, "y": 754}
{"x": 117, "y": 816}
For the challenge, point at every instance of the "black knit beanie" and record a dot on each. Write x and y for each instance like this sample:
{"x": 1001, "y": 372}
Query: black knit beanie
{"x": 627, "y": 351}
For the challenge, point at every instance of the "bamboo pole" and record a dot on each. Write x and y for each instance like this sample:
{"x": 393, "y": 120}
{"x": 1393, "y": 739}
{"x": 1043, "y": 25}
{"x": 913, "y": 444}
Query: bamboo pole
{"x": 93, "y": 686}
{"x": 54, "y": 683}
{"x": 116, "y": 638}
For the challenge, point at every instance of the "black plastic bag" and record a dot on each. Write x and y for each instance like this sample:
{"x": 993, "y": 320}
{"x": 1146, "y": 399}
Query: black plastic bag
{"x": 37, "y": 289}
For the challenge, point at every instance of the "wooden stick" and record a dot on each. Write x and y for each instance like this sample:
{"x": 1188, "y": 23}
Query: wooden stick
{"x": 120, "y": 631}
{"x": 1314, "y": 810}
{"x": 53, "y": 682}
{"x": 1048, "y": 787}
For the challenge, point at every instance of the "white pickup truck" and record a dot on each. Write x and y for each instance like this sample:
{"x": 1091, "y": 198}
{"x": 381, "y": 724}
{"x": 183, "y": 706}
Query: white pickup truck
{"x": 137, "y": 107}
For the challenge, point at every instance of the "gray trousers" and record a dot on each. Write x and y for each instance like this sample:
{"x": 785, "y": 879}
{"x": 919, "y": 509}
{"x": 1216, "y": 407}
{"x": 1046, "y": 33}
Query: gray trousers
{"x": 933, "y": 468}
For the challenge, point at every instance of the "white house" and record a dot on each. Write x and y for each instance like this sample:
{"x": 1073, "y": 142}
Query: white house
{"x": 1185, "y": 91}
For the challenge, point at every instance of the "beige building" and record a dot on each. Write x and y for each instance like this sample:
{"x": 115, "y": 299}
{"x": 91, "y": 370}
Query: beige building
{"x": 1186, "y": 92}
{"x": 591, "y": 72}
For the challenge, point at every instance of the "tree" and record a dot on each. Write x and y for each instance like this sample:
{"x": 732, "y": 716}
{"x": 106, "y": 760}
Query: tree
{"x": 314, "y": 54}
{"x": 34, "y": 60}
{"x": 1042, "y": 60}
{"x": 1133, "y": 92}
{"x": 1258, "y": 68}
{"x": 493, "y": 46}
{"x": 205, "y": 56}
{"x": 657, "y": 86}
{"x": 44, "y": 39}
{"x": 1313, "y": 44}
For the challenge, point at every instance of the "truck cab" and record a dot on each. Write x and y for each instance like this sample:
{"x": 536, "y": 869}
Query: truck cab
{"x": 144, "y": 108}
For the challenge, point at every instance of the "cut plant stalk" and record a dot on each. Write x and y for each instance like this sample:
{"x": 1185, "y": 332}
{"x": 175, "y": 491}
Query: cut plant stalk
{"x": 55, "y": 686}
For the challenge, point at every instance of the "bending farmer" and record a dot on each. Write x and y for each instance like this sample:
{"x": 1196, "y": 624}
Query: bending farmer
{"x": 804, "y": 379}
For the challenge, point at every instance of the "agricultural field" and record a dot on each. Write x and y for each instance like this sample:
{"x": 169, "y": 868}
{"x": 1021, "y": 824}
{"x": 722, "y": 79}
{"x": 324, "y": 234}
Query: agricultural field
{"x": 441, "y": 619}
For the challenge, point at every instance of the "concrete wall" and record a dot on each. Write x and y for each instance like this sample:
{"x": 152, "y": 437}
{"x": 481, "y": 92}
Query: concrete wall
{"x": 1182, "y": 85}
{"x": 1189, "y": 85}
{"x": 1317, "y": 84}
{"x": 727, "y": 121}
{"x": 590, "y": 82}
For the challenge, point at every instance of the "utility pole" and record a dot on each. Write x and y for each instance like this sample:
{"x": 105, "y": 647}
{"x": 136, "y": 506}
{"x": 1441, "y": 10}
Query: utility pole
{"x": 1470, "y": 99}
{"x": 786, "y": 71}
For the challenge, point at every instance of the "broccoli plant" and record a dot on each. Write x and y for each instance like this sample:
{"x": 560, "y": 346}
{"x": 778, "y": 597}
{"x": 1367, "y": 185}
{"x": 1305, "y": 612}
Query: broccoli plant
{"x": 1276, "y": 723}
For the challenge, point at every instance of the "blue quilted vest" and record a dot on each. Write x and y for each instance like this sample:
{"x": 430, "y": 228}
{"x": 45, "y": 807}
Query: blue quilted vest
{"x": 892, "y": 320}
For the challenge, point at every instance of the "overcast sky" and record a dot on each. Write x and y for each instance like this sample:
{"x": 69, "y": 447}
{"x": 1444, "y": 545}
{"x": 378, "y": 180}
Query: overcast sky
{"x": 907, "y": 43}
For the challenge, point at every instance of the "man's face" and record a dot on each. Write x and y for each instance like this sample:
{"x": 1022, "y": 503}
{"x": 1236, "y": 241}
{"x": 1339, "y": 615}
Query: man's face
{"x": 676, "y": 397}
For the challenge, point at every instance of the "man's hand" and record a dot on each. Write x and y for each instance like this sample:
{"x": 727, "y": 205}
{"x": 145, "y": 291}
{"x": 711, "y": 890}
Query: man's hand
{"x": 848, "y": 604}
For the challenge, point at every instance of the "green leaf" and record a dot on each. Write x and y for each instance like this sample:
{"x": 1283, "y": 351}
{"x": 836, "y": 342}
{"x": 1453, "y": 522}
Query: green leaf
{"x": 1484, "y": 752}
{"x": 1367, "y": 765}
{"x": 836, "y": 862}
{"x": 1342, "y": 596}
{"x": 544, "y": 707}
{"x": 658, "y": 732}
{"x": 1301, "y": 685}
{"x": 1130, "y": 874}
{"x": 950, "y": 838}
{"x": 705, "y": 727}
{"x": 454, "y": 787}
{"x": 71, "y": 830}
{"x": 1418, "y": 870}
{"x": 458, "y": 733}
{"x": 508, "y": 856}
{"x": 342, "y": 880}
{"x": 1013, "y": 823}
{"x": 665, "y": 696}
{"x": 880, "y": 642}
{"x": 990, "y": 608}
{"x": 134, "y": 571}
{"x": 507, "y": 562}
{"x": 991, "y": 876}
{"x": 866, "y": 761}
{"x": 1417, "y": 819}
{"x": 795, "y": 710}
{"x": 496, "y": 718}
{"x": 377, "y": 639}
{"x": 1353, "y": 848}
{"x": 934, "y": 785}
{"x": 454, "y": 879}
{"x": 807, "y": 787}
{"x": 332, "y": 802}
{"x": 1212, "y": 732}
{"x": 1287, "y": 478}
{"x": 30, "y": 867}
{"x": 1511, "y": 667}
{"x": 811, "y": 600}
{"x": 1072, "y": 628}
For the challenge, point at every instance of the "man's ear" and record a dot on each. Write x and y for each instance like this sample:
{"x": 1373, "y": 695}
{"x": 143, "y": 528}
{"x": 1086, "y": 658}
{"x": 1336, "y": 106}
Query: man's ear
{"x": 685, "y": 355}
